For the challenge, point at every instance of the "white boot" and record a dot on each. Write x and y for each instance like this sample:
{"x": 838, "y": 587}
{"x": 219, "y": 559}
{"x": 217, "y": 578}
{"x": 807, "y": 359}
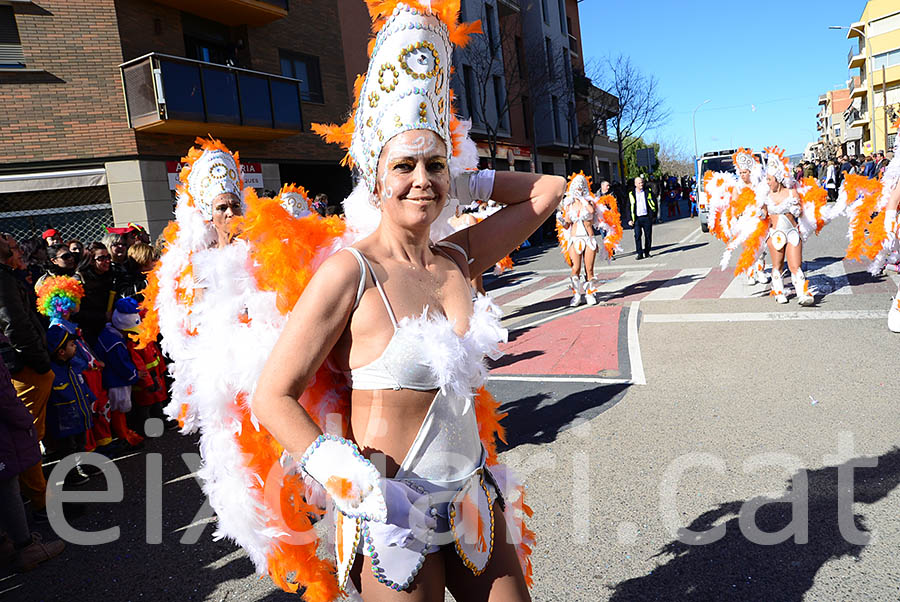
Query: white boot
{"x": 894, "y": 314}
{"x": 577, "y": 288}
{"x": 778, "y": 287}
{"x": 761, "y": 276}
{"x": 589, "y": 297}
{"x": 801, "y": 287}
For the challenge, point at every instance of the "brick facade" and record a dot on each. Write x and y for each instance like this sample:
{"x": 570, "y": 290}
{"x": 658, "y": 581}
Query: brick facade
{"x": 75, "y": 110}
{"x": 71, "y": 107}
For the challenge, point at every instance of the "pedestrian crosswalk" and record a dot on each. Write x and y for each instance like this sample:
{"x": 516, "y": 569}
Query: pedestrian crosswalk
{"x": 628, "y": 284}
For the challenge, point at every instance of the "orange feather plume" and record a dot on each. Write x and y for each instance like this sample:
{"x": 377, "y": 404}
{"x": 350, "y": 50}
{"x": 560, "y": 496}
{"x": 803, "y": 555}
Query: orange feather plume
{"x": 751, "y": 247}
{"x": 488, "y": 415}
{"x": 818, "y": 196}
{"x": 867, "y": 231}
{"x": 148, "y": 330}
{"x": 612, "y": 217}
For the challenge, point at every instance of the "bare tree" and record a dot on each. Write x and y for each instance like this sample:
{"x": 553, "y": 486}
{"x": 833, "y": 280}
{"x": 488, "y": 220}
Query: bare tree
{"x": 674, "y": 158}
{"x": 640, "y": 106}
{"x": 523, "y": 71}
{"x": 599, "y": 106}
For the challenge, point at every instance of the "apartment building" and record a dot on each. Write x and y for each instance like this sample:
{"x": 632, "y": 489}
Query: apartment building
{"x": 836, "y": 134}
{"x": 875, "y": 53}
{"x": 523, "y": 86}
{"x": 100, "y": 98}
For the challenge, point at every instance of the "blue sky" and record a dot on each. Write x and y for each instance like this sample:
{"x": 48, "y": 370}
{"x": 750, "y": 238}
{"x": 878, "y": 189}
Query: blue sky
{"x": 778, "y": 57}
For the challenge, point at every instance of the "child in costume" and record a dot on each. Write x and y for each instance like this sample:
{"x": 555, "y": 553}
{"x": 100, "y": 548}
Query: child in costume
{"x": 119, "y": 371}
{"x": 69, "y": 408}
{"x": 59, "y": 298}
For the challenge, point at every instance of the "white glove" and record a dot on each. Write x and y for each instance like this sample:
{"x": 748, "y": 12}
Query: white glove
{"x": 358, "y": 489}
{"x": 472, "y": 185}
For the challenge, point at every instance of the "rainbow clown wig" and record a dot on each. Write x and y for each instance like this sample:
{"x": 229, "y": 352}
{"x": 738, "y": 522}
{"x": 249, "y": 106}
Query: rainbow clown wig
{"x": 58, "y": 297}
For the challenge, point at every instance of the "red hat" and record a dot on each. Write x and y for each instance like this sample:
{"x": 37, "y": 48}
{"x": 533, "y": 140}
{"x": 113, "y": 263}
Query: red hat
{"x": 48, "y": 233}
{"x": 124, "y": 230}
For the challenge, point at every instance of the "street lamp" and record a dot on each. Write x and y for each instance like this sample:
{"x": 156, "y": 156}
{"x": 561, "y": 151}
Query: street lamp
{"x": 694, "y": 123}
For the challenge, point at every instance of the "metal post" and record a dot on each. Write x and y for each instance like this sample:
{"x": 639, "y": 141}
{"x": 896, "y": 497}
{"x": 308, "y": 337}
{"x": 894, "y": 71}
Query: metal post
{"x": 694, "y": 123}
{"x": 884, "y": 106}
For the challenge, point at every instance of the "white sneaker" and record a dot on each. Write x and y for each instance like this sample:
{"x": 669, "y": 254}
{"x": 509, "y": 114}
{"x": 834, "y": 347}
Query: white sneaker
{"x": 751, "y": 279}
{"x": 806, "y": 300}
{"x": 576, "y": 300}
{"x": 894, "y": 315}
{"x": 762, "y": 278}
{"x": 590, "y": 299}
{"x": 781, "y": 298}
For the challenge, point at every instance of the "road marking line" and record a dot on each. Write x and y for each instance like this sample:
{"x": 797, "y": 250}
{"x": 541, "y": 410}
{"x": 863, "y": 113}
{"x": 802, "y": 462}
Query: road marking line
{"x": 553, "y": 316}
{"x": 810, "y": 314}
{"x": 689, "y": 236}
{"x": 677, "y": 291}
{"x": 561, "y": 379}
{"x": 613, "y": 267}
{"x": 539, "y": 295}
{"x": 634, "y": 346}
{"x": 739, "y": 289}
{"x": 623, "y": 281}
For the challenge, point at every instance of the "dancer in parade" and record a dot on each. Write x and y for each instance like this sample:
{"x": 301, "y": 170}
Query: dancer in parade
{"x": 783, "y": 208}
{"x": 871, "y": 206}
{"x": 382, "y": 344}
{"x": 579, "y": 217}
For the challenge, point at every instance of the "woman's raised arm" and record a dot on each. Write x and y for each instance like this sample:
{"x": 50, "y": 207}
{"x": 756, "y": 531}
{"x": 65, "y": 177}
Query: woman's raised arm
{"x": 532, "y": 198}
{"x": 315, "y": 324}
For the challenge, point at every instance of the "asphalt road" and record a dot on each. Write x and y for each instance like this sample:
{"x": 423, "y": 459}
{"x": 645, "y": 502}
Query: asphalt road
{"x": 682, "y": 396}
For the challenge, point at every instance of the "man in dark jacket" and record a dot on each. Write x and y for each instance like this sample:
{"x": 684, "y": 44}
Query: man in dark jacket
{"x": 27, "y": 358}
{"x": 642, "y": 210}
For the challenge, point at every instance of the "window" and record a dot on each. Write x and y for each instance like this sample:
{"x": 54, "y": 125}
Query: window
{"x": 489, "y": 26}
{"x": 567, "y": 66}
{"x": 520, "y": 56}
{"x": 11, "y": 55}
{"x": 526, "y": 116}
{"x": 499, "y": 102}
{"x": 469, "y": 83}
{"x": 207, "y": 41}
{"x": 892, "y": 139}
{"x": 547, "y": 167}
{"x": 545, "y": 12}
{"x": 886, "y": 59}
{"x": 304, "y": 67}
{"x": 554, "y": 102}
{"x": 562, "y": 17}
{"x": 837, "y": 132}
{"x": 884, "y": 25}
{"x": 549, "y": 45}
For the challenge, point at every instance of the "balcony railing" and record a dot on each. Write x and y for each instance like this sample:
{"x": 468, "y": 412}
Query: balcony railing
{"x": 855, "y": 58}
{"x": 507, "y": 7}
{"x": 233, "y": 12}
{"x": 174, "y": 95}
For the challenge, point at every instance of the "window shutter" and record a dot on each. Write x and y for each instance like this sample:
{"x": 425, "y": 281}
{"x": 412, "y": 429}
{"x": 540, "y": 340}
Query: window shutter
{"x": 10, "y": 46}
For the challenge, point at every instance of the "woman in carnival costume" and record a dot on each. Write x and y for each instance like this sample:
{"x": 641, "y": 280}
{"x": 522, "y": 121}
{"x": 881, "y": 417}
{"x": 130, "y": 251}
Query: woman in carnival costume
{"x": 781, "y": 214}
{"x": 420, "y": 497}
{"x": 440, "y": 510}
{"x": 871, "y": 205}
{"x": 578, "y": 218}
{"x": 730, "y": 196}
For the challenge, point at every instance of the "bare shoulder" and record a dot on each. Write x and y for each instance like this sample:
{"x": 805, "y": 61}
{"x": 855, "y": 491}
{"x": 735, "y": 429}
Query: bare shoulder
{"x": 337, "y": 274}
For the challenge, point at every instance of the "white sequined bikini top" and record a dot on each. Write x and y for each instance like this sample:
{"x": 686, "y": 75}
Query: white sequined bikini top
{"x": 425, "y": 353}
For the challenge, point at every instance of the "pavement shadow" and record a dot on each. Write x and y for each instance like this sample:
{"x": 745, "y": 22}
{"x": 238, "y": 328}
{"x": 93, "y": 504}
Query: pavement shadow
{"x": 130, "y": 567}
{"x": 734, "y": 568}
{"x": 681, "y": 248}
{"x": 511, "y": 358}
{"x": 647, "y": 286}
{"x": 538, "y": 419}
{"x": 547, "y": 305}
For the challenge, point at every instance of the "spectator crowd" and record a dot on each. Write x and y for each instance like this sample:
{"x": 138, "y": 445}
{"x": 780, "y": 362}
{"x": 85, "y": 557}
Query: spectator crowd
{"x": 71, "y": 379}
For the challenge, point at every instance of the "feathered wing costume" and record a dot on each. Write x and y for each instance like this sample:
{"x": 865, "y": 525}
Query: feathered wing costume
{"x": 213, "y": 305}
{"x": 873, "y": 228}
{"x": 742, "y": 222}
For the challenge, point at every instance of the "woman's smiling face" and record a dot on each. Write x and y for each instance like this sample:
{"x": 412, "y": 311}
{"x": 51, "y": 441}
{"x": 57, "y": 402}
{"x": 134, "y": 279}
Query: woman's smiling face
{"x": 413, "y": 178}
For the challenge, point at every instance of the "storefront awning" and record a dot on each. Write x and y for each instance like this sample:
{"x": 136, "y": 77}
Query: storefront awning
{"x": 52, "y": 180}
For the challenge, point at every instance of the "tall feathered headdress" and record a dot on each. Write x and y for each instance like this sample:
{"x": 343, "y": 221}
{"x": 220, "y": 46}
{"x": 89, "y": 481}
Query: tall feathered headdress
{"x": 407, "y": 85}
{"x": 744, "y": 159}
{"x": 210, "y": 170}
{"x": 777, "y": 165}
